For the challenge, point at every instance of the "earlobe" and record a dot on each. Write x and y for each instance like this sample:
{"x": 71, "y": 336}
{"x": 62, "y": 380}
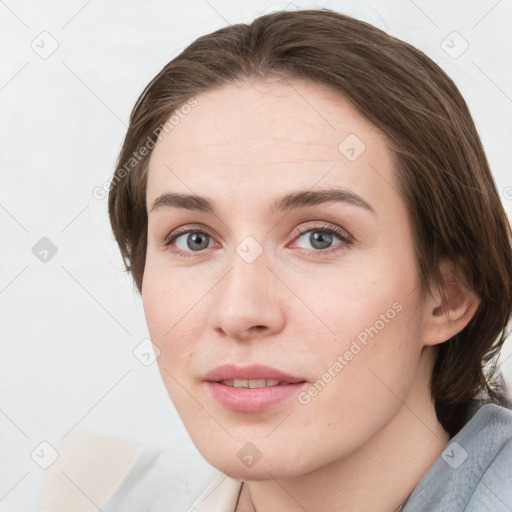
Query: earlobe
{"x": 448, "y": 315}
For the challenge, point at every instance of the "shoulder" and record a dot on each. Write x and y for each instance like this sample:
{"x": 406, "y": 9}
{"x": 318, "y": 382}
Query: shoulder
{"x": 474, "y": 471}
{"x": 88, "y": 469}
{"x": 494, "y": 488}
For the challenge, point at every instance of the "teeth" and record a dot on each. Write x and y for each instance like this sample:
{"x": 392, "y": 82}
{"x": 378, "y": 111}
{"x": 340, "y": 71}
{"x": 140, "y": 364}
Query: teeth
{"x": 254, "y": 383}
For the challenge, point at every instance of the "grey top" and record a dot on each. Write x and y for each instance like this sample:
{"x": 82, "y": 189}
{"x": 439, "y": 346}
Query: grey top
{"x": 473, "y": 474}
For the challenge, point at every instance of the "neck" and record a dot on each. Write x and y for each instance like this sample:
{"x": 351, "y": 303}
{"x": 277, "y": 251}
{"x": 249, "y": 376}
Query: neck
{"x": 378, "y": 476}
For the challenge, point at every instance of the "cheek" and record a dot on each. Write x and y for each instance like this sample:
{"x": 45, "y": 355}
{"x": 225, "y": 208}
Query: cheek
{"x": 169, "y": 310}
{"x": 370, "y": 310}
{"x": 362, "y": 378}
{"x": 350, "y": 296}
{"x": 173, "y": 310}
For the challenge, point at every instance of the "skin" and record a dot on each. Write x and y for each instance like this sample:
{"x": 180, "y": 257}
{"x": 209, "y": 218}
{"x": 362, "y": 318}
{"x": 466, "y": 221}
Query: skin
{"x": 365, "y": 440}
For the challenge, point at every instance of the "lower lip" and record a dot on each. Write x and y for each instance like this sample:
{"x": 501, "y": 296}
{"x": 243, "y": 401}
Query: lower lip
{"x": 252, "y": 399}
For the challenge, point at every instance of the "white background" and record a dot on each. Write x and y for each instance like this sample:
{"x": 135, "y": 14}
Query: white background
{"x": 69, "y": 326}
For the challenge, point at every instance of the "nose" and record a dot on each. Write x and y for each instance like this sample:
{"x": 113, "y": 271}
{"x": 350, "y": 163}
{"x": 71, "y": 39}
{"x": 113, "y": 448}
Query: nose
{"x": 248, "y": 301}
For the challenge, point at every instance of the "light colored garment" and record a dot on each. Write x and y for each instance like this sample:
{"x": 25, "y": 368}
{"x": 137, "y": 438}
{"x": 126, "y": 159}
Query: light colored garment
{"x": 220, "y": 495}
{"x": 473, "y": 474}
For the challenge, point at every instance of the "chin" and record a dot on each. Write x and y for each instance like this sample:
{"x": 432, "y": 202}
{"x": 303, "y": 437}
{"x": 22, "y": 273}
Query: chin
{"x": 260, "y": 467}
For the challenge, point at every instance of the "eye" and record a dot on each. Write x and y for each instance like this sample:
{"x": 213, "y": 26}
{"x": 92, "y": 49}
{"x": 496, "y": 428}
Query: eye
{"x": 322, "y": 237}
{"x": 189, "y": 240}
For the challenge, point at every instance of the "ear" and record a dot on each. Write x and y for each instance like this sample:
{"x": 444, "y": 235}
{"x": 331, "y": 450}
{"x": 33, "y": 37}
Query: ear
{"x": 444, "y": 319}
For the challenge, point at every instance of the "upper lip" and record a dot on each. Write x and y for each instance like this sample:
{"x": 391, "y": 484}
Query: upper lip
{"x": 251, "y": 372}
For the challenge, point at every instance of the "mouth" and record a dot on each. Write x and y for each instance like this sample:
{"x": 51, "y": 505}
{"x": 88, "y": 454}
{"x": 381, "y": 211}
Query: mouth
{"x": 252, "y": 388}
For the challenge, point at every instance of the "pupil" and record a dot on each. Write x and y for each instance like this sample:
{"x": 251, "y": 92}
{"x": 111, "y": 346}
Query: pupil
{"x": 320, "y": 239}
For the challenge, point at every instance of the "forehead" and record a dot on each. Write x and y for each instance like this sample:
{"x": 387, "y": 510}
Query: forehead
{"x": 275, "y": 131}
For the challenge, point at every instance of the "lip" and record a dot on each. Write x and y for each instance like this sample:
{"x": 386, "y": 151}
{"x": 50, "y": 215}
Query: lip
{"x": 251, "y": 399}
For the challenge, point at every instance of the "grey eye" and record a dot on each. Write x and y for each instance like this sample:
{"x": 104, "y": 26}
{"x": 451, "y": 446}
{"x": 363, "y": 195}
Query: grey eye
{"x": 195, "y": 241}
{"x": 319, "y": 239}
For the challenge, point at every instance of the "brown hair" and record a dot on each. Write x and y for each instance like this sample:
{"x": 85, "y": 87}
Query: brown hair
{"x": 444, "y": 176}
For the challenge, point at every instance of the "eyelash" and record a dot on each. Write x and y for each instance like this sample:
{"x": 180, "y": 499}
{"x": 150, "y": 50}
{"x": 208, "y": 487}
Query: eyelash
{"x": 345, "y": 238}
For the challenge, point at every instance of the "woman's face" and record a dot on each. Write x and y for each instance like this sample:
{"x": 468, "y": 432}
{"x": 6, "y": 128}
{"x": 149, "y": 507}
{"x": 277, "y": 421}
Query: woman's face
{"x": 270, "y": 268}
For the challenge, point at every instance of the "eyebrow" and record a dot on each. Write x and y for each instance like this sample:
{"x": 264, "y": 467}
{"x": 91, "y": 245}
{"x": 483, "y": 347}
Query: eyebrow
{"x": 293, "y": 201}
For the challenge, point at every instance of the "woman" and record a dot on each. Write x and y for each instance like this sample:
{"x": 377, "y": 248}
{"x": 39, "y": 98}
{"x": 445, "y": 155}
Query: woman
{"x": 307, "y": 211}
